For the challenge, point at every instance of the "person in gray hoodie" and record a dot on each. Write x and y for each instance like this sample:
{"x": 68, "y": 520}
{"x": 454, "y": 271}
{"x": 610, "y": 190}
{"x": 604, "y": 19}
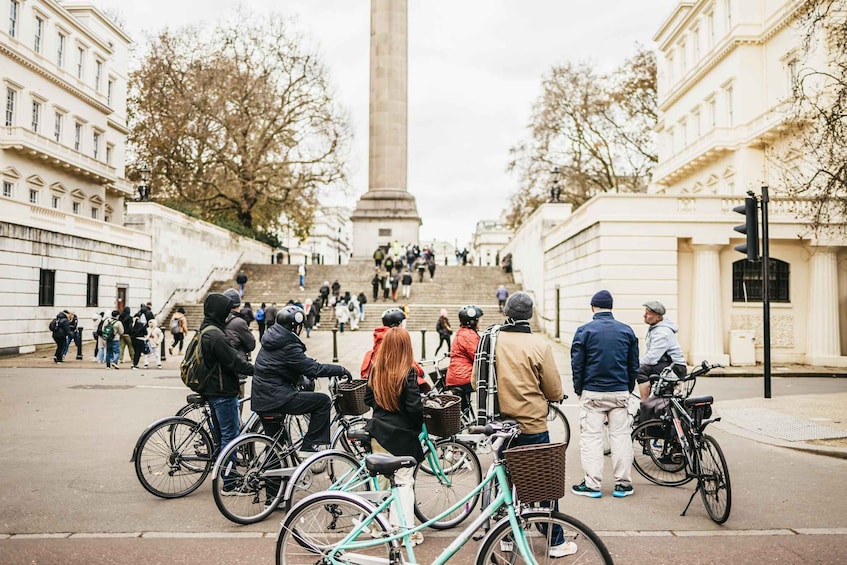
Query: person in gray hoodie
{"x": 662, "y": 347}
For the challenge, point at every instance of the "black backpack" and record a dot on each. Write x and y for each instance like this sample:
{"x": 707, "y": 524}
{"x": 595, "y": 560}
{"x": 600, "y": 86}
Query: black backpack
{"x": 54, "y": 325}
{"x": 193, "y": 370}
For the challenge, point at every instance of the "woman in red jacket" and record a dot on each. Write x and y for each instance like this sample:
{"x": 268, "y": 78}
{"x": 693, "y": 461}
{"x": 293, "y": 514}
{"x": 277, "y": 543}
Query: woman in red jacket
{"x": 462, "y": 353}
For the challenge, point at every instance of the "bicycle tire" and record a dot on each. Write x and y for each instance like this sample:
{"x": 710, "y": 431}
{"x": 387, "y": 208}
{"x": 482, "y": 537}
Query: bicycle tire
{"x": 498, "y": 548}
{"x": 714, "y": 475}
{"x": 328, "y": 470}
{"x": 316, "y": 525}
{"x": 658, "y": 459}
{"x": 296, "y": 426}
{"x": 174, "y": 457}
{"x": 436, "y": 492}
{"x": 558, "y": 426}
{"x": 257, "y": 493}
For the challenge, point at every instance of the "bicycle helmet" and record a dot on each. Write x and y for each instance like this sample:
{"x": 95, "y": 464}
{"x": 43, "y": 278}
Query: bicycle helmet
{"x": 292, "y": 318}
{"x": 469, "y": 316}
{"x": 393, "y": 317}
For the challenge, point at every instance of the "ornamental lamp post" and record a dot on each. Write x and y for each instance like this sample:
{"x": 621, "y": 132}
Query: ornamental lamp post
{"x": 555, "y": 190}
{"x": 144, "y": 186}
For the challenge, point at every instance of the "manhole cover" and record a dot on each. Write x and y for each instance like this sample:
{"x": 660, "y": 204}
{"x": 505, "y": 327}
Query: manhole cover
{"x": 773, "y": 424}
{"x": 102, "y": 387}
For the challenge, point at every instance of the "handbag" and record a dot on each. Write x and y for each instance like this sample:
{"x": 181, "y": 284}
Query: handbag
{"x": 147, "y": 349}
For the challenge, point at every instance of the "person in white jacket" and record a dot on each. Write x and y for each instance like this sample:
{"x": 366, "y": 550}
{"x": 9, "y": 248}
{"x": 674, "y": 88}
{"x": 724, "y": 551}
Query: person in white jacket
{"x": 342, "y": 314}
{"x": 154, "y": 338}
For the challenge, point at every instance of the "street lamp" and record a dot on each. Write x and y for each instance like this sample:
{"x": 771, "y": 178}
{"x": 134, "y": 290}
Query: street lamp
{"x": 144, "y": 187}
{"x": 555, "y": 190}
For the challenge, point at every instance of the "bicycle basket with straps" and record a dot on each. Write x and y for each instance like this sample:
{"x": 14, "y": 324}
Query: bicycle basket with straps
{"x": 443, "y": 415}
{"x": 537, "y": 471}
{"x": 352, "y": 399}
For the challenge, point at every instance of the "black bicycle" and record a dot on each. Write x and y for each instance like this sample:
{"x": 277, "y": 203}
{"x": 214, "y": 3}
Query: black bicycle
{"x": 672, "y": 449}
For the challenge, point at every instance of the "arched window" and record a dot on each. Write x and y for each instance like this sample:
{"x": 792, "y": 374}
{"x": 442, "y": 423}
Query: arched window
{"x": 747, "y": 281}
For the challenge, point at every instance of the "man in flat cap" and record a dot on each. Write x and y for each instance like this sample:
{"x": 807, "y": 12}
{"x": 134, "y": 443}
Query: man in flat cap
{"x": 662, "y": 347}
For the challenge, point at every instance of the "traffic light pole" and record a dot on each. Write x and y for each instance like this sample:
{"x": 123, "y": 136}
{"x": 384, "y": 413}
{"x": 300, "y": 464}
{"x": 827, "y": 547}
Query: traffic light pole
{"x": 766, "y": 298}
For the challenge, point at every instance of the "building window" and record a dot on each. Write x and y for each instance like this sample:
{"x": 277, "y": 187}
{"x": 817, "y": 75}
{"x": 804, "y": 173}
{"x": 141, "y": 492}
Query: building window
{"x": 46, "y": 287}
{"x": 727, "y": 6}
{"x": 695, "y": 121}
{"x": 110, "y": 86}
{"x": 98, "y": 75}
{"x": 110, "y": 150}
{"x": 77, "y": 135}
{"x": 92, "y": 291}
{"x": 95, "y": 212}
{"x": 672, "y": 140}
{"x": 77, "y": 208}
{"x": 11, "y": 99}
{"x": 14, "y": 10}
{"x": 695, "y": 45}
{"x": 683, "y": 132}
{"x": 713, "y": 114}
{"x": 710, "y": 18}
{"x": 729, "y": 108}
{"x": 7, "y": 189}
{"x": 60, "y": 50}
{"x": 793, "y": 76}
{"x": 671, "y": 73}
{"x": 683, "y": 61}
{"x": 33, "y": 196}
{"x": 96, "y": 142}
{"x": 36, "y": 115}
{"x": 747, "y": 281}
{"x": 56, "y": 202}
{"x": 57, "y": 127}
{"x": 80, "y": 62}
{"x": 384, "y": 232}
{"x": 39, "y": 34}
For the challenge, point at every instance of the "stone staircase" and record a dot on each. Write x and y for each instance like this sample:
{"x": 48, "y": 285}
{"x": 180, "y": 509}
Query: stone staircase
{"x": 452, "y": 287}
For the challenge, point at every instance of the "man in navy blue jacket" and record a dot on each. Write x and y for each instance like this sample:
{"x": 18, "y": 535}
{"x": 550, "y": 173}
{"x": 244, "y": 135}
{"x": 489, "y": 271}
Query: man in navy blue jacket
{"x": 604, "y": 362}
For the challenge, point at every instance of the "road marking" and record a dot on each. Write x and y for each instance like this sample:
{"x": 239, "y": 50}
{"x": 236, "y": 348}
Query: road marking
{"x": 433, "y": 534}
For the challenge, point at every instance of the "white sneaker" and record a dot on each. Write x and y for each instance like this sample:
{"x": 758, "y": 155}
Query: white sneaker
{"x": 416, "y": 538}
{"x": 567, "y": 548}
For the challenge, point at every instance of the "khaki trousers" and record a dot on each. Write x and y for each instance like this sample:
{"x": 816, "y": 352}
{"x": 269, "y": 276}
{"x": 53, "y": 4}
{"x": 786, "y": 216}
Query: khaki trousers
{"x": 595, "y": 407}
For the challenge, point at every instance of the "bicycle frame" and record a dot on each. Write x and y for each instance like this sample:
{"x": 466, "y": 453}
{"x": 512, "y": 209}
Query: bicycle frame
{"x": 504, "y": 498}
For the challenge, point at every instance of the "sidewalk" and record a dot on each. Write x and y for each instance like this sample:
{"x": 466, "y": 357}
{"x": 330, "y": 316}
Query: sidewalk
{"x": 810, "y": 422}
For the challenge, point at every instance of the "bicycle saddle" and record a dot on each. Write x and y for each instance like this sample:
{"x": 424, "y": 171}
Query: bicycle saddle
{"x": 381, "y": 464}
{"x": 272, "y": 416}
{"x": 698, "y": 401}
{"x": 194, "y": 399}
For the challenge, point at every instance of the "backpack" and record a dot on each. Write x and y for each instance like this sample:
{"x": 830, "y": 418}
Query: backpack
{"x": 108, "y": 330}
{"x": 193, "y": 370}
{"x": 351, "y": 307}
{"x": 174, "y": 326}
{"x": 54, "y": 324}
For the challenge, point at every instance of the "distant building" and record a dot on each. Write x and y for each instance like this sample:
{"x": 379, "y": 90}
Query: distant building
{"x": 329, "y": 241}
{"x": 488, "y": 238}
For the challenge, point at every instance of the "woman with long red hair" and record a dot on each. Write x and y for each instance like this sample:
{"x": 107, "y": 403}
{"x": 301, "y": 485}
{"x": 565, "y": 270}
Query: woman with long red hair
{"x": 397, "y": 420}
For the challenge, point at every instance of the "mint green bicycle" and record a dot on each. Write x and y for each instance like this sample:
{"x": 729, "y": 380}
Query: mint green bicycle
{"x": 336, "y": 527}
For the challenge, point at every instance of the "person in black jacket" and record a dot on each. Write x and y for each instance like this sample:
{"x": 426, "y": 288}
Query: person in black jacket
{"x": 60, "y": 336}
{"x": 138, "y": 335}
{"x": 221, "y": 387}
{"x": 397, "y": 418}
{"x": 280, "y": 364}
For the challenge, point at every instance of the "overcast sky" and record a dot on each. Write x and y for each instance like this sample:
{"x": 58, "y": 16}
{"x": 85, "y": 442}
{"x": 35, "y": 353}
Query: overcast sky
{"x": 475, "y": 69}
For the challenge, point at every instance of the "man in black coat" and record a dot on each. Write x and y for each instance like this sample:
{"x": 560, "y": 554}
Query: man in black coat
{"x": 280, "y": 364}
{"x": 60, "y": 336}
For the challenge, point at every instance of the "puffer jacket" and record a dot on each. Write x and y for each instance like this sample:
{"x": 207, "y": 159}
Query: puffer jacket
{"x": 462, "y": 357}
{"x": 279, "y": 365}
{"x": 217, "y": 351}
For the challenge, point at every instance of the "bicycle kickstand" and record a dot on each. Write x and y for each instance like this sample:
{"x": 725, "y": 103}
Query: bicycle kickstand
{"x": 693, "y": 494}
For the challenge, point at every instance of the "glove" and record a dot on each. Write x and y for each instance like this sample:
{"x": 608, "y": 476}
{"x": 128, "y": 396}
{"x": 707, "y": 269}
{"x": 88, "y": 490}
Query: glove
{"x": 346, "y": 374}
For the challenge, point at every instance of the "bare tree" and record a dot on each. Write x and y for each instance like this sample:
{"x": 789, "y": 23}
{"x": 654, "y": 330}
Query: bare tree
{"x": 814, "y": 166}
{"x": 239, "y": 123}
{"x": 595, "y": 129}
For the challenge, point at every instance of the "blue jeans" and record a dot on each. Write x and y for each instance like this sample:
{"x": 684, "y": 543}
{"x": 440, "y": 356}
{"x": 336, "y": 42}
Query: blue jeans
{"x": 227, "y": 417}
{"x": 113, "y": 349}
{"x": 557, "y": 537}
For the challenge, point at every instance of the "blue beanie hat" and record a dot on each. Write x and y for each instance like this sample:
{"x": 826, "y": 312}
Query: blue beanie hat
{"x": 602, "y": 299}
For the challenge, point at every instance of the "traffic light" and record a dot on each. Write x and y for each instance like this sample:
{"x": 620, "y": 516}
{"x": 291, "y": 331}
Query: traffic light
{"x": 750, "y": 228}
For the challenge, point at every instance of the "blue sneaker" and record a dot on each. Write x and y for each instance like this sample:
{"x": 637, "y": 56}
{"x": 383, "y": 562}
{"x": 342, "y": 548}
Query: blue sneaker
{"x": 583, "y": 490}
{"x": 622, "y": 491}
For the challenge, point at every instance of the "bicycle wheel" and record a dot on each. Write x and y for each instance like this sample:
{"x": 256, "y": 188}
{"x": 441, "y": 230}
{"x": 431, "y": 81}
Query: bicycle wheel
{"x": 250, "y": 489}
{"x": 557, "y": 425}
{"x": 340, "y": 441}
{"x": 444, "y": 477}
{"x": 327, "y": 470}
{"x": 657, "y": 454}
{"x": 715, "y": 489}
{"x": 540, "y": 526}
{"x": 297, "y": 425}
{"x": 174, "y": 457}
{"x": 319, "y": 522}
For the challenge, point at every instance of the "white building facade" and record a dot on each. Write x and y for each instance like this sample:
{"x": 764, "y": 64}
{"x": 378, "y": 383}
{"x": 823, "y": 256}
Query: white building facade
{"x": 725, "y": 75}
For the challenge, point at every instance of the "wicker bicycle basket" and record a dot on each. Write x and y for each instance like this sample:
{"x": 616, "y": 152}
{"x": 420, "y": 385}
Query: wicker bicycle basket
{"x": 352, "y": 400}
{"x": 443, "y": 415}
{"x": 537, "y": 471}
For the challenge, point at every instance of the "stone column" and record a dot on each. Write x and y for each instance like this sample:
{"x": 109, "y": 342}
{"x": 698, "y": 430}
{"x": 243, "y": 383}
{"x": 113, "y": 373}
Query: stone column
{"x": 387, "y": 212}
{"x": 823, "y": 342}
{"x": 706, "y": 310}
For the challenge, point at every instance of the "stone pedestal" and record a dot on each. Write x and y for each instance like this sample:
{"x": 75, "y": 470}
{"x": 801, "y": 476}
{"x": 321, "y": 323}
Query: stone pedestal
{"x": 387, "y": 212}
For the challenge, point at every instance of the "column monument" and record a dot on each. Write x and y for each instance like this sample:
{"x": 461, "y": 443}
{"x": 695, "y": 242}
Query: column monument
{"x": 387, "y": 212}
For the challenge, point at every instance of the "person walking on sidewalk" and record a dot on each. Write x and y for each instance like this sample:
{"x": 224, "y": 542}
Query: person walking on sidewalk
{"x": 301, "y": 276}
{"x": 445, "y": 332}
{"x": 112, "y": 330}
{"x": 241, "y": 280}
{"x": 407, "y": 283}
{"x": 179, "y": 327}
{"x": 604, "y": 362}
{"x": 502, "y": 293}
{"x": 155, "y": 337}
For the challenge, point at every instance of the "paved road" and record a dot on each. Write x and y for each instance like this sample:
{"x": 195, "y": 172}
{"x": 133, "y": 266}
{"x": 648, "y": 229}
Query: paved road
{"x": 68, "y": 493}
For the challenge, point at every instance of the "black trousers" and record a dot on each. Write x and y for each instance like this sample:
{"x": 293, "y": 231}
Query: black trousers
{"x": 60, "y": 348}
